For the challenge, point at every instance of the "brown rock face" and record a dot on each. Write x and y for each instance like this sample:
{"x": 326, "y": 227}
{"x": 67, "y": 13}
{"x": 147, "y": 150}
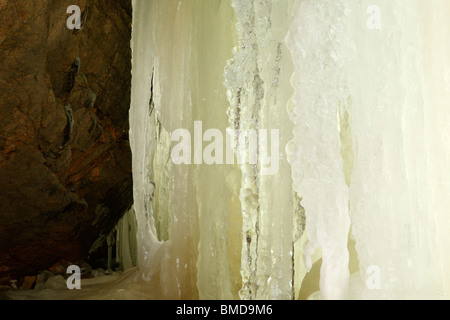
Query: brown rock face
{"x": 65, "y": 160}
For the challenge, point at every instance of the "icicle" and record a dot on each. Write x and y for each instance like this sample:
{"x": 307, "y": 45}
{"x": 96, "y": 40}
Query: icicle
{"x": 242, "y": 73}
{"x": 216, "y": 185}
{"x": 126, "y": 246}
{"x": 258, "y": 90}
{"x": 319, "y": 46}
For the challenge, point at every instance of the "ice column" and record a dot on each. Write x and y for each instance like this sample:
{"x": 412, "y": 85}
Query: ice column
{"x": 319, "y": 45}
{"x": 188, "y": 215}
{"x": 160, "y": 104}
{"x": 217, "y": 184}
{"x": 126, "y": 246}
{"x": 257, "y": 79}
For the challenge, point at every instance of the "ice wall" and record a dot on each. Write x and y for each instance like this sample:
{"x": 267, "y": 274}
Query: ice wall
{"x": 364, "y": 142}
{"x": 160, "y": 104}
{"x": 397, "y": 125}
{"x": 434, "y": 29}
{"x": 390, "y": 218}
{"x": 197, "y": 227}
{"x": 371, "y": 81}
{"x": 188, "y": 215}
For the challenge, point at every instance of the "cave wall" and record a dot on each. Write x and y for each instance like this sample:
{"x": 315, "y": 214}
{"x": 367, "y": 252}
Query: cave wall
{"x": 65, "y": 159}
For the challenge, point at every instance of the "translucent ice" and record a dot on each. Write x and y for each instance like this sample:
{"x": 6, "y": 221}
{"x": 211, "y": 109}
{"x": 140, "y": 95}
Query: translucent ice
{"x": 359, "y": 92}
{"x": 319, "y": 45}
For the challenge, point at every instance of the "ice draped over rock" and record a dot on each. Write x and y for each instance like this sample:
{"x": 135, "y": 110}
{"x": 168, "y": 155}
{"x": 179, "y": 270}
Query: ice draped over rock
{"x": 364, "y": 136}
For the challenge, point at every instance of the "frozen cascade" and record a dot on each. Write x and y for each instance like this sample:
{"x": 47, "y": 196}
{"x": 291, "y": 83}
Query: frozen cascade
{"x": 204, "y": 214}
{"x": 257, "y": 79}
{"x": 160, "y": 104}
{"x": 367, "y": 141}
{"x": 400, "y": 121}
{"x": 359, "y": 91}
{"x": 386, "y": 66}
{"x": 319, "y": 45}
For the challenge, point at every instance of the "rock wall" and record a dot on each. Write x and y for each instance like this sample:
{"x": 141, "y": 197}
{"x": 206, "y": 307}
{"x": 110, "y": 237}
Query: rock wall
{"x": 65, "y": 160}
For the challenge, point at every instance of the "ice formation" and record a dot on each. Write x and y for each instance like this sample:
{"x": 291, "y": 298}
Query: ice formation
{"x": 359, "y": 92}
{"x": 257, "y": 82}
{"x": 320, "y": 45}
{"x": 400, "y": 130}
{"x": 364, "y": 133}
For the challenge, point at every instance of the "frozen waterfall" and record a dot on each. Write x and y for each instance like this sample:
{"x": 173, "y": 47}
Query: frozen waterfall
{"x": 351, "y": 98}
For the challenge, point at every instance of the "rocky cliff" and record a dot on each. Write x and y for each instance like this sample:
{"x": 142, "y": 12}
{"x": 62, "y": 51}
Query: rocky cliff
{"x": 65, "y": 160}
